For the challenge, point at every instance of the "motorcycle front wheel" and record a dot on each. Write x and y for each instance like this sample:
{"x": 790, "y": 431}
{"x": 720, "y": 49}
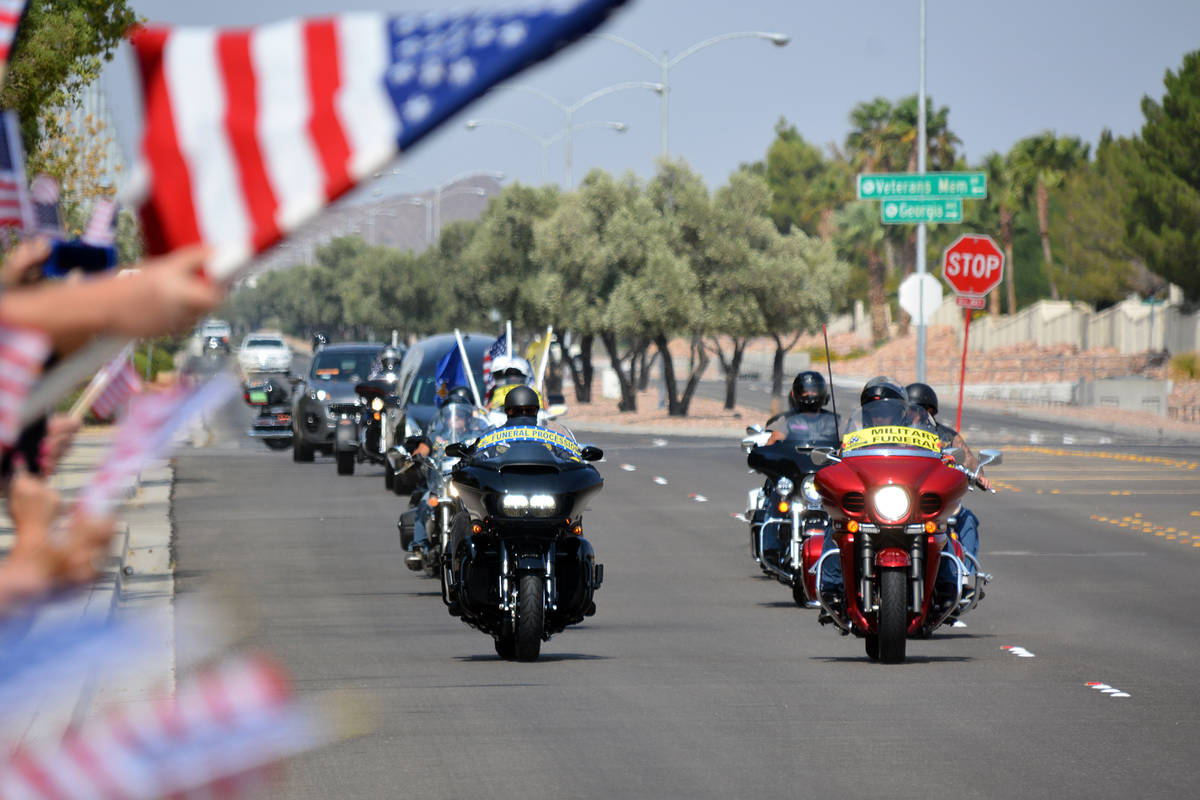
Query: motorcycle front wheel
{"x": 893, "y": 614}
{"x": 530, "y": 618}
{"x": 345, "y": 462}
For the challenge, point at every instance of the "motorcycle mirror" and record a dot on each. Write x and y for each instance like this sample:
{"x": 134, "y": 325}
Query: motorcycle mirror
{"x": 823, "y": 455}
{"x": 990, "y": 457}
{"x": 590, "y": 452}
{"x": 410, "y": 444}
{"x": 755, "y": 429}
{"x": 458, "y": 449}
{"x": 954, "y": 452}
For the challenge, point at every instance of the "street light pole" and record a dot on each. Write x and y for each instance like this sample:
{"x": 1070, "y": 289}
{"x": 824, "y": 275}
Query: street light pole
{"x": 667, "y": 62}
{"x": 570, "y": 109}
{"x": 544, "y": 141}
{"x": 921, "y": 146}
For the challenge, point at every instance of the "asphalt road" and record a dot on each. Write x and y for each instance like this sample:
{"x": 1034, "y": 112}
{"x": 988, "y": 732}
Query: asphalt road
{"x": 697, "y": 678}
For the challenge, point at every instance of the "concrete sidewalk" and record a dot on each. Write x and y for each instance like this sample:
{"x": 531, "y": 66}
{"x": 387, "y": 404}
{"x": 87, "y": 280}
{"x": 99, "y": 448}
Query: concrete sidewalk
{"x": 136, "y": 577}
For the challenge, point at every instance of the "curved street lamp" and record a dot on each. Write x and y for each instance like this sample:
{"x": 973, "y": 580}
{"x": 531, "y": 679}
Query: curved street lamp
{"x": 667, "y": 62}
{"x": 545, "y": 141}
{"x": 569, "y": 109}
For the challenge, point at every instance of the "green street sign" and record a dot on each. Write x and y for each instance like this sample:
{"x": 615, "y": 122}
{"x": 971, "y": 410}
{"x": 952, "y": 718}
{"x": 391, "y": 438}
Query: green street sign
{"x": 913, "y": 212}
{"x": 930, "y": 186}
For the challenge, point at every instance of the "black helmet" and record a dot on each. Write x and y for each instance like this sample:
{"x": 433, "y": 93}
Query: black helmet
{"x": 460, "y": 394}
{"x": 923, "y": 395}
{"x": 521, "y": 401}
{"x": 880, "y": 388}
{"x": 809, "y": 391}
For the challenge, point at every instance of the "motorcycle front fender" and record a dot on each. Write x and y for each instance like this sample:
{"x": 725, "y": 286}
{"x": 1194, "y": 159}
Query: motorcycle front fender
{"x": 346, "y": 435}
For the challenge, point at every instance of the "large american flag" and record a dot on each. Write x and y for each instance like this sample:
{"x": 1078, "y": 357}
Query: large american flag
{"x": 249, "y": 133}
{"x": 15, "y": 210}
{"x": 10, "y": 20}
{"x": 23, "y": 352}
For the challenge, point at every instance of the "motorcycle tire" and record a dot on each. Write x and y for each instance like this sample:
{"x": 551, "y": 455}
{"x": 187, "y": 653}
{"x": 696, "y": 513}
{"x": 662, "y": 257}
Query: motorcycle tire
{"x": 893, "y": 614}
{"x": 432, "y": 562}
{"x": 872, "y": 643}
{"x": 301, "y": 452}
{"x": 345, "y": 462}
{"x": 277, "y": 444}
{"x": 530, "y": 618}
{"x": 389, "y": 477}
{"x": 506, "y": 647}
{"x": 799, "y": 596}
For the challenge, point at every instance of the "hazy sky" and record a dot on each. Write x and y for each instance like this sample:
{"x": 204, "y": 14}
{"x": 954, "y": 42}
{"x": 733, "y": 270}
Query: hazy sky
{"x": 1005, "y": 69}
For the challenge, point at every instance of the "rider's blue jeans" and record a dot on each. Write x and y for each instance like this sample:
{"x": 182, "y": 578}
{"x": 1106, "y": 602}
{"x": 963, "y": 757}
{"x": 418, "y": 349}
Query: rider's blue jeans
{"x": 420, "y": 535}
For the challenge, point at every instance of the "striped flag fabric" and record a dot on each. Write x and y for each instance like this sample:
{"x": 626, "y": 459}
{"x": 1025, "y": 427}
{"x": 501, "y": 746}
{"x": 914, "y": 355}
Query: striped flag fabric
{"x": 101, "y": 229}
{"x": 146, "y": 433}
{"x": 123, "y": 383}
{"x": 15, "y": 209}
{"x": 11, "y": 12}
{"x": 249, "y": 133}
{"x": 227, "y": 721}
{"x": 47, "y": 214}
{"x": 23, "y": 352}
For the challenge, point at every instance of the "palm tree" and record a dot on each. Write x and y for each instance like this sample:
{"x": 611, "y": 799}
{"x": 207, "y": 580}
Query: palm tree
{"x": 1004, "y": 196}
{"x": 1039, "y": 164}
{"x": 860, "y": 234}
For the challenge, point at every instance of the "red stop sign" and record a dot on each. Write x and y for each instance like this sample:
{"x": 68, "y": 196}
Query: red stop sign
{"x": 973, "y": 265}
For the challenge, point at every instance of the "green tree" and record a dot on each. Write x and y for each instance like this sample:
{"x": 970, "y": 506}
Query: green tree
{"x": 1163, "y": 169}
{"x": 860, "y": 238}
{"x": 1040, "y": 163}
{"x": 807, "y": 187}
{"x": 61, "y": 47}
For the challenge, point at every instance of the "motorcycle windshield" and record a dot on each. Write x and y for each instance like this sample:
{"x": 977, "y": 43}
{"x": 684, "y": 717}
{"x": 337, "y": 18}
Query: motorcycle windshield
{"x": 456, "y": 422}
{"x": 805, "y": 429}
{"x": 527, "y": 444}
{"x": 890, "y": 425}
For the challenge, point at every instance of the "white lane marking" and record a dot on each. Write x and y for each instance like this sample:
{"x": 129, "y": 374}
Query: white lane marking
{"x": 660, "y": 442}
{"x": 699, "y": 498}
{"x": 660, "y": 480}
{"x": 1104, "y": 688}
{"x": 740, "y": 516}
{"x": 958, "y": 623}
{"x": 628, "y": 467}
{"x": 1019, "y": 652}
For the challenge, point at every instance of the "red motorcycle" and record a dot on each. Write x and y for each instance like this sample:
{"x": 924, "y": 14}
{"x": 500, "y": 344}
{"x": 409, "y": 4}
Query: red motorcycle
{"x": 890, "y": 495}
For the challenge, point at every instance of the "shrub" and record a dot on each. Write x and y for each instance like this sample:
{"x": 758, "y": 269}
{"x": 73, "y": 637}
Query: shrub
{"x": 1185, "y": 366}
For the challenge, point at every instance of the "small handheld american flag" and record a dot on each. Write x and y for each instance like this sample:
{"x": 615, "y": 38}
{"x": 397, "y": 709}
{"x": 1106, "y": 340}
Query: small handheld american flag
{"x": 11, "y": 12}
{"x": 15, "y": 208}
{"x": 22, "y": 354}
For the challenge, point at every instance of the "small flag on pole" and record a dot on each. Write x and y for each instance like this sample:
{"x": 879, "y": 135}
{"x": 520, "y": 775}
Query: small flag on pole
{"x": 47, "y": 217}
{"x": 23, "y": 352}
{"x": 251, "y": 132}
{"x": 102, "y": 227}
{"x": 114, "y": 385}
{"x": 15, "y": 209}
{"x": 497, "y": 349}
{"x": 11, "y": 12}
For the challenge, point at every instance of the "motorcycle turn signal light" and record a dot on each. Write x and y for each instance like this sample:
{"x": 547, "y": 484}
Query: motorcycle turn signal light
{"x": 931, "y": 527}
{"x": 476, "y": 528}
{"x": 852, "y": 526}
{"x": 784, "y": 506}
{"x": 433, "y": 501}
{"x": 577, "y": 530}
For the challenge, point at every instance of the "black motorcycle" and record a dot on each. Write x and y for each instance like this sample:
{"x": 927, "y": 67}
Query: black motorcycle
{"x": 359, "y": 435}
{"x": 787, "y": 510}
{"x": 271, "y": 399}
{"x": 519, "y": 568}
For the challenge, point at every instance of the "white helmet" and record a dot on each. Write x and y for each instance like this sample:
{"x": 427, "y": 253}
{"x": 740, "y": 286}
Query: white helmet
{"x": 510, "y": 369}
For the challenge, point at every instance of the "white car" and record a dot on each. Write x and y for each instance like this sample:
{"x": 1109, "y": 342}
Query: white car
{"x": 264, "y": 352}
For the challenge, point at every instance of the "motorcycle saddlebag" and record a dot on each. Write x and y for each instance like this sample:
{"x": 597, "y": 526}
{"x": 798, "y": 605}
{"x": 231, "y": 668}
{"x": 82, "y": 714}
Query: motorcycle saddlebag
{"x": 407, "y": 524}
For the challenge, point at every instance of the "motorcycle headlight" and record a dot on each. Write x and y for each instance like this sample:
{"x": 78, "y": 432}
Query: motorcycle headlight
{"x": 377, "y": 404}
{"x": 515, "y": 502}
{"x": 453, "y": 490}
{"x": 891, "y": 503}
{"x": 784, "y": 486}
{"x": 537, "y": 505}
{"x": 808, "y": 488}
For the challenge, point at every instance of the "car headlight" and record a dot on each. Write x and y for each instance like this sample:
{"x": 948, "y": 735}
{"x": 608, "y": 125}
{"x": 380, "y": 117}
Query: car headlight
{"x": 376, "y": 404}
{"x": 891, "y": 503}
{"x": 808, "y": 488}
{"x": 320, "y": 394}
{"x": 784, "y": 486}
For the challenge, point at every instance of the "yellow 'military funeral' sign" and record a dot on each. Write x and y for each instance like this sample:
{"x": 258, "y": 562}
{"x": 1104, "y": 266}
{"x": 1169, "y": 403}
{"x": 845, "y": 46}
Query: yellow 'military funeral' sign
{"x": 891, "y": 435}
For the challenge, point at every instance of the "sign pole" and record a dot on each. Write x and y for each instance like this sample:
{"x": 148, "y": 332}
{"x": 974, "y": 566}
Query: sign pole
{"x": 921, "y": 228}
{"x": 962, "y": 373}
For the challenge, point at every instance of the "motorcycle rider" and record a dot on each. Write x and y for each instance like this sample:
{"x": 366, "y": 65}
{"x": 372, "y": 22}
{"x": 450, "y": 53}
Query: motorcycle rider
{"x": 507, "y": 372}
{"x": 807, "y": 420}
{"x": 878, "y": 388}
{"x": 461, "y": 396}
{"x": 966, "y": 527}
{"x": 387, "y": 366}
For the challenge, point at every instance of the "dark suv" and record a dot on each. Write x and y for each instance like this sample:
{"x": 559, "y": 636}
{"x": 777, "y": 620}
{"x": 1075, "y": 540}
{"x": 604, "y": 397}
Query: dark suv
{"x": 336, "y": 369}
